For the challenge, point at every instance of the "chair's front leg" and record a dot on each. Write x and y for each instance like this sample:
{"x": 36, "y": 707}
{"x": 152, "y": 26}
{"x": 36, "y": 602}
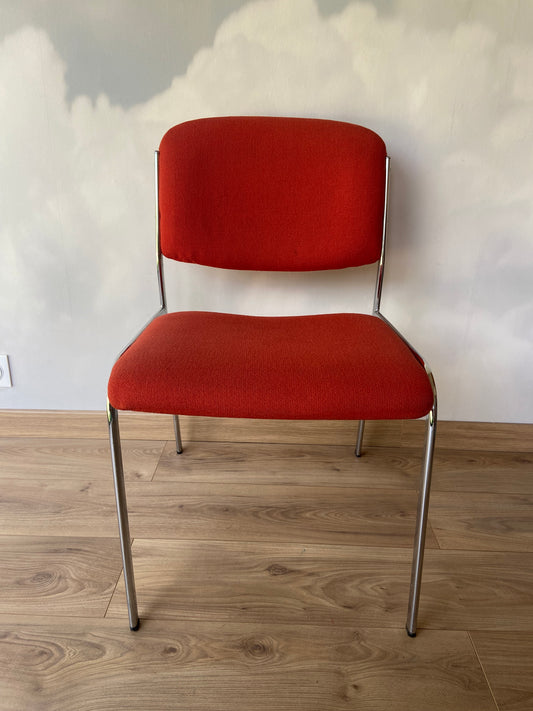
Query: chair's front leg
{"x": 122, "y": 513}
{"x": 421, "y": 523}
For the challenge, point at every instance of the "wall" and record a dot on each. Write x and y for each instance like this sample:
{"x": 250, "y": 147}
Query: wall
{"x": 88, "y": 89}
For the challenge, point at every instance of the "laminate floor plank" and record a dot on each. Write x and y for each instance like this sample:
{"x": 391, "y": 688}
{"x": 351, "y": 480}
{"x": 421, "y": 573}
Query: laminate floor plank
{"x": 206, "y": 510}
{"x": 293, "y": 464}
{"x": 477, "y": 590}
{"x": 494, "y": 522}
{"x": 337, "y": 432}
{"x": 269, "y": 576}
{"x": 139, "y": 425}
{"x": 198, "y": 666}
{"x": 58, "y": 507}
{"x": 483, "y": 436}
{"x": 51, "y": 458}
{"x": 338, "y": 585}
{"x": 482, "y": 471}
{"x": 57, "y": 576}
{"x": 507, "y": 659}
{"x": 273, "y": 513}
{"x": 326, "y": 465}
{"x": 254, "y": 582}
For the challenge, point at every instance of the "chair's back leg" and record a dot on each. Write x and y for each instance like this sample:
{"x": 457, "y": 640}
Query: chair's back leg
{"x": 122, "y": 513}
{"x": 421, "y": 523}
{"x": 360, "y": 433}
{"x": 177, "y": 435}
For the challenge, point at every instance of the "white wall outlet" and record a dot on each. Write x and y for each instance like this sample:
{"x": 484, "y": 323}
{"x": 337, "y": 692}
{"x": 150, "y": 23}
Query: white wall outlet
{"x": 5, "y": 374}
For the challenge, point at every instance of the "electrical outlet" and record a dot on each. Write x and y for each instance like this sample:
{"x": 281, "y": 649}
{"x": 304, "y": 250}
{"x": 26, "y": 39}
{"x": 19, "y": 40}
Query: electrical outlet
{"x": 5, "y": 374}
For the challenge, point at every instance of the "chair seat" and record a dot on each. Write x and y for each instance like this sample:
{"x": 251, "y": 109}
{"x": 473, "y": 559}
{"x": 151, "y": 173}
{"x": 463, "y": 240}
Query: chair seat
{"x": 328, "y": 366}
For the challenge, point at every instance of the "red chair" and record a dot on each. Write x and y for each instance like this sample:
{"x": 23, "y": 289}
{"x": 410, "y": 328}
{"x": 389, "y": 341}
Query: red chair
{"x": 276, "y": 194}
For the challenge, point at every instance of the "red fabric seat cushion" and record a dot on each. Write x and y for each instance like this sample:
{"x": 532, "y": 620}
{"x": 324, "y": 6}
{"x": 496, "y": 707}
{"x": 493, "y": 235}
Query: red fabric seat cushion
{"x": 330, "y": 366}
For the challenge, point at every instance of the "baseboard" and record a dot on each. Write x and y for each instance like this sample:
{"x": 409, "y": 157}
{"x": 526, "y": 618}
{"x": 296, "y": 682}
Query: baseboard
{"x": 404, "y": 433}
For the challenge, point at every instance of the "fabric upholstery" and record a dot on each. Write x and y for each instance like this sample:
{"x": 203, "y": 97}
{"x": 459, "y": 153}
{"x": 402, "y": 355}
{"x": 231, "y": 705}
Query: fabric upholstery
{"x": 271, "y": 194}
{"x": 279, "y": 194}
{"x": 336, "y": 366}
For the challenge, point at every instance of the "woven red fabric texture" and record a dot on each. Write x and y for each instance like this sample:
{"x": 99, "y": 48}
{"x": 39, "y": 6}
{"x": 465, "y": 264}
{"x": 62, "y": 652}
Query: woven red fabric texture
{"x": 280, "y": 194}
{"x": 336, "y": 366}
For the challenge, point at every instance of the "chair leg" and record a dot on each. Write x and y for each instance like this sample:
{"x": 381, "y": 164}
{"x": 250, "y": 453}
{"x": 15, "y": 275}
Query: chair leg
{"x": 122, "y": 514}
{"x": 360, "y": 433}
{"x": 177, "y": 434}
{"x": 421, "y": 523}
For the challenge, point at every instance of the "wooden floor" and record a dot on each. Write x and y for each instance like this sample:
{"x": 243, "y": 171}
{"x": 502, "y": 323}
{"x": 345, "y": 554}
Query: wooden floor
{"x": 271, "y": 573}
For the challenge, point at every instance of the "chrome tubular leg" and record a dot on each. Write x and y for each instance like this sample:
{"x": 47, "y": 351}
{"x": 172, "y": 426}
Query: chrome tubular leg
{"x": 122, "y": 513}
{"x": 421, "y": 523}
{"x": 360, "y": 433}
{"x": 177, "y": 434}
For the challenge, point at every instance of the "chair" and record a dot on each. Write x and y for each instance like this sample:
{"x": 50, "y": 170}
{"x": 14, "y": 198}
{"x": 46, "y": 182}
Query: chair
{"x": 274, "y": 194}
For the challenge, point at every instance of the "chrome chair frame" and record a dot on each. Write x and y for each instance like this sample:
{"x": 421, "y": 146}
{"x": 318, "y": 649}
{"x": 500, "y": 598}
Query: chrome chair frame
{"x": 427, "y": 462}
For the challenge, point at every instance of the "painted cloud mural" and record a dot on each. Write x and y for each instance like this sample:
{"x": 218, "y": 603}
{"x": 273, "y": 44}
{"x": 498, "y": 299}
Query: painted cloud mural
{"x": 455, "y": 107}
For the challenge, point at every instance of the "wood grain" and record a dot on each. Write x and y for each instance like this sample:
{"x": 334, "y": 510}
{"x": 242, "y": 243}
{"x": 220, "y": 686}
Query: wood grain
{"x": 327, "y": 465}
{"x": 483, "y": 472}
{"x": 480, "y": 436}
{"x": 50, "y": 508}
{"x": 280, "y": 577}
{"x": 293, "y": 464}
{"x": 57, "y": 576}
{"x": 221, "y": 429}
{"x": 50, "y": 458}
{"x": 55, "y": 423}
{"x": 198, "y": 666}
{"x": 207, "y": 510}
{"x": 137, "y": 425}
{"x": 279, "y": 583}
{"x": 382, "y": 467}
{"x": 227, "y": 512}
{"x": 328, "y": 585}
{"x": 477, "y": 590}
{"x": 507, "y": 660}
{"x": 274, "y": 513}
{"x": 479, "y": 521}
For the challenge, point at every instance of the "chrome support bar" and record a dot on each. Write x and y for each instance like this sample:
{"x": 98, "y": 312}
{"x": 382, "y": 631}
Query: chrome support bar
{"x": 360, "y": 433}
{"x": 159, "y": 258}
{"x": 159, "y": 265}
{"x": 421, "y": 520}
{"x": 381, "y": 265}
{"x": 177, "y": 435}
{"x": 122, "y": 514}
{"x": 161, "y": 311}
{"x": 423, "y": 495}
{"x": 114, "y": 435}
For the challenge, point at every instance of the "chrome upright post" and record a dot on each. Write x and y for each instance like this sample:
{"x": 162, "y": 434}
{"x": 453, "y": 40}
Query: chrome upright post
{"x": 122, "y": 514}
{"x": 381, "y": 263}
{"x": 159, "y": 256}
{"x": 421, "y": 522}
{"x": 177, "y": 435}
{"x": 360, "y": 433}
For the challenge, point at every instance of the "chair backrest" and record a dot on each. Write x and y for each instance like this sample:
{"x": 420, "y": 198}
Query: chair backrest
{"x": 276, "y": 194}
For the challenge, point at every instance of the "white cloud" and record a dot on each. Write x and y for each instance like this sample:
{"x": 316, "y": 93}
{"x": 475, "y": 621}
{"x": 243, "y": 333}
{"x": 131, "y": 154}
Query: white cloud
{"x": 453, "y": 104}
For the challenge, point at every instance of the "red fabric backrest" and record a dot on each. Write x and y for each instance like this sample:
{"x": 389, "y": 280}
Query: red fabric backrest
{"x": 278, "y": 194}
